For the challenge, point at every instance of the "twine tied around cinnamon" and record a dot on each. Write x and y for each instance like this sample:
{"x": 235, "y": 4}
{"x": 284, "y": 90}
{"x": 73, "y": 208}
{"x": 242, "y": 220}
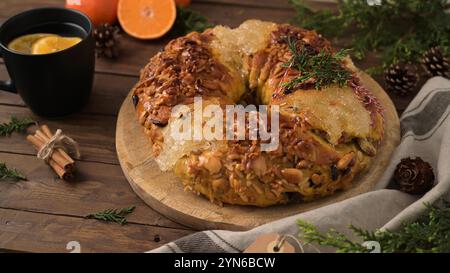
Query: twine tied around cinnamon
{"x": 58, "y": 141}
{"x": 52, "y": 148}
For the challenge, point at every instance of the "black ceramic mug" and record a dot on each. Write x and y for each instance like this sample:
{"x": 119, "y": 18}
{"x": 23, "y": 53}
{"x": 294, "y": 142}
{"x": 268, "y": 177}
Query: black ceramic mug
{"x": 55, "y": 84}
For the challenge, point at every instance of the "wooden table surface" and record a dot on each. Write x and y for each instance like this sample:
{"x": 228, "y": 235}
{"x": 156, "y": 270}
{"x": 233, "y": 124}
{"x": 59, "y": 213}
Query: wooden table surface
{"x": 44, "y": 213}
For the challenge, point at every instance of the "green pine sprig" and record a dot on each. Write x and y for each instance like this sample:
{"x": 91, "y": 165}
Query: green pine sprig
{"x": 112, "y": 215}
{"x": 325, "y": 68}
{"x": 430, "y": 233}
{"x": 10, "y": 174}
{"x": 189, "y": 21}
{"x": 399, "y": 31}
{"x": 15, "y": 125}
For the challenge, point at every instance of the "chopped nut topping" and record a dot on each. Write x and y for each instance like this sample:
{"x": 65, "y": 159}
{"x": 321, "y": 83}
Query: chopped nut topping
{"x": 292, "y": 175}
{"x": 345, "y": 161}
{"x": 316, "y": 178}
{"x": 259, "y": 166}
{"x": 211, "y": 163}
{"x": 305, "y": 164}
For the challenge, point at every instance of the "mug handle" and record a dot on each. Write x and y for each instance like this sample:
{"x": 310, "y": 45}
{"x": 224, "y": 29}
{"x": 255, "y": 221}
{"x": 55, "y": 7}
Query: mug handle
{"x": 7, "y": 85}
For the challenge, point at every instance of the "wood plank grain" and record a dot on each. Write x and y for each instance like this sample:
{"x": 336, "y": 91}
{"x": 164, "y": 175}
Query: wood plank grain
{"x": 135, "y": 53}
{"x": 95, "y": 134}
{"x": 36, "y": 232}
{"x": 107, "y": 96}
{"x": 9, "y": 8}
{"x": 108, "y": 93}
{"x": 278, "y": 4}
{"x": 110, "y": 90}
{"x": 95, "y": 188}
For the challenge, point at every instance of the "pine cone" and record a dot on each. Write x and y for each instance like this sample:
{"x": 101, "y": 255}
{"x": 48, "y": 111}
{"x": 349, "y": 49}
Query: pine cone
{"x": 414, "y": 176}
{"x": 435, "y": 63}
{"x": 106, "y": 41}
{"x": 401, "y": 78}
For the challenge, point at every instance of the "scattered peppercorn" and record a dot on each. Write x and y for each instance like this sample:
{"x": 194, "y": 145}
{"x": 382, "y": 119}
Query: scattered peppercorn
{"x": 135, "y": 100}
{"x": 334, "y": 172}
{"x": 346, "y": 171}
{"x": 288, "y": 91}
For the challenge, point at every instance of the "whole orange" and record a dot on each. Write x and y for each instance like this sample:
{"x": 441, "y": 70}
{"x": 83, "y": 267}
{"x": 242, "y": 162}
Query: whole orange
{"x": 99, "y": 11}
{"x": 183, "y": 3}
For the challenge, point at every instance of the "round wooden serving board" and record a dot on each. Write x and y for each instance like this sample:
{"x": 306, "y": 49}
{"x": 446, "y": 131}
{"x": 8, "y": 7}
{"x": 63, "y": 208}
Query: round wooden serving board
{"x": 163, "y": 191}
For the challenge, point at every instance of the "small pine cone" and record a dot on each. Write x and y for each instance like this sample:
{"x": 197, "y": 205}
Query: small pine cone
{"x": 435, "y": 63}
{"x": 106, "y": 41}
{"x": 401, "y": 78}
{"x": 414, "y": 176}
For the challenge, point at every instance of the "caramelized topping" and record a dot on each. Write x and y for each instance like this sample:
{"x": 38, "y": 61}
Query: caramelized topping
{"x": 326, "y": 136}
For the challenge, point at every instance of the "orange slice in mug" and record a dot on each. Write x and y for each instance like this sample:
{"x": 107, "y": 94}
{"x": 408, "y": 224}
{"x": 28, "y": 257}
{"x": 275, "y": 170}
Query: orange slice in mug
{"x": 147, "y": 19}
{"x": 23, "y": 44}
{"x": 49, "y": 45}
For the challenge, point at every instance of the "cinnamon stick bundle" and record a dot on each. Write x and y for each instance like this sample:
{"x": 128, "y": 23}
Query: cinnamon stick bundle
{"x": 59, "y": 161}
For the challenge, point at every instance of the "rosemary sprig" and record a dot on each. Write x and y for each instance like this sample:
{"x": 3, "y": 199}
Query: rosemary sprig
{"x": 10, "y": 174}
{"x": 112, "y": 215}
{"x": 188, "y": 21}
{"x": 15, "y": 125}
{"x": 430, "y": 233}
{"x": 325, "y": 68}
{"x": 399, "y": 31}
